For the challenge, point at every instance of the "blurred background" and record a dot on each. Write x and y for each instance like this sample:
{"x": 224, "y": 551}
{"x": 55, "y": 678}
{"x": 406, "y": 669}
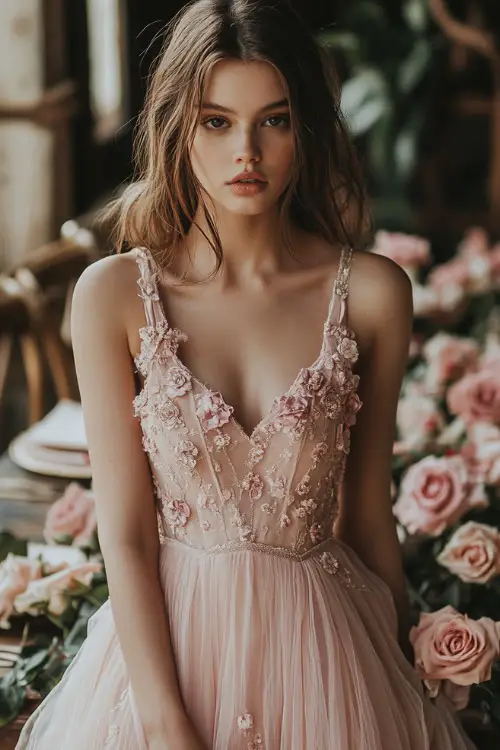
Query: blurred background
{"x": 421, "y": 94}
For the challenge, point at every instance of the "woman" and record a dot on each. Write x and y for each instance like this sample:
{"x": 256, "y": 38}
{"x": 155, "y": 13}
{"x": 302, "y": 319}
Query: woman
{"x": 257, "y": 597}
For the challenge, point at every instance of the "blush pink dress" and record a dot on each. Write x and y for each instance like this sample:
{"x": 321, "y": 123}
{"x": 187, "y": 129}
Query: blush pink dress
{"x": 283, "y": 638}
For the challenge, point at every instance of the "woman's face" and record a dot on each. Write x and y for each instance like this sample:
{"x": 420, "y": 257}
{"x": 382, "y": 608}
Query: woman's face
{"x": 244, "y": 126}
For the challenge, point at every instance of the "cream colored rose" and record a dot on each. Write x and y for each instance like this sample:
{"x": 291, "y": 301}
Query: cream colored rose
{"x": 52, "y": 591}
{"x": 451, "y": 646}
{"x": 16, "y": 573}
{"x": 473, "y": 553}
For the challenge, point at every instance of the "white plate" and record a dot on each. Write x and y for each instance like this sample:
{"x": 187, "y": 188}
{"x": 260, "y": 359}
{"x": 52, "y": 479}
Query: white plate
{"x": 49, "y": 461}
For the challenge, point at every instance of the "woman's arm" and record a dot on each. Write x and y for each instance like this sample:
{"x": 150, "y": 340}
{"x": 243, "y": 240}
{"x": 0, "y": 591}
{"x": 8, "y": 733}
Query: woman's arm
{"x": 383, "y": 315}
{"x": 126, "y": 515}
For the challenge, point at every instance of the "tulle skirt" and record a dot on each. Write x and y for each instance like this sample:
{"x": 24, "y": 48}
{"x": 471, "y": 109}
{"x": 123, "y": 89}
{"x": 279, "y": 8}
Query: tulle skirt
{"x": 272, "y": 653}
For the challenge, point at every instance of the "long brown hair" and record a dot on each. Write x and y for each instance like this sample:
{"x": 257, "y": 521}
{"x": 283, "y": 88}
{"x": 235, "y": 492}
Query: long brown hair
{"x": 326, "y": 195}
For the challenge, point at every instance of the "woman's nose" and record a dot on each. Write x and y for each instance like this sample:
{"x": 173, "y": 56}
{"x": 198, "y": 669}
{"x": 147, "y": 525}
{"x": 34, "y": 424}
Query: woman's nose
{"x": 247, "y": 149}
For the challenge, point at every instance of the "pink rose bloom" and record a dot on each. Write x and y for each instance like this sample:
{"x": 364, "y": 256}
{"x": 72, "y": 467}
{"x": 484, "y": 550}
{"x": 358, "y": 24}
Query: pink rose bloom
{"x": 449, "y": 357}
{"x": 73, "y": 515}
{"x": 419, "y": 420}
{"x": 408, "y": 251}
{"x": 291, "y": 411}
{"x": 451, "y": 646}
{"x": 177, "y": 382}
{"x": 435, "y": 493}
{"x": 53, "y": 591}
{"x": 212, "y": 410}
{"x": 16, "y": 573}
{"x": 473, "y": 553}
{"x": 482, "y": 452}
{"x": 476, "y": 397}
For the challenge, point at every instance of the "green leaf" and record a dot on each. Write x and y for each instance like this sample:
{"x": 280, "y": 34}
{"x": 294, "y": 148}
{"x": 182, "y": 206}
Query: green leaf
{"x": 12, "y": 697}
{"x": 414, "y": 68}
{"x": 364, "y": 100}
{"x": 415, "y": 13}
{"x": 10, "y": 543}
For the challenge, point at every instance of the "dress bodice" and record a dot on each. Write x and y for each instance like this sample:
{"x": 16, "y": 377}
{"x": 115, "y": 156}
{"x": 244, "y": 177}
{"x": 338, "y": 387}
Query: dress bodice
{"x": 216, "y": 486}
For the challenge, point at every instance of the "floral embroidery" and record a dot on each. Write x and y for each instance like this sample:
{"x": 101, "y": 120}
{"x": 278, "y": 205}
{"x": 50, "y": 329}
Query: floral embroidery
{"x": 316, "y": 532}
{"x": 291, "y": 412}
{"x": 177, "y": 382}
{"x": 348, "y": 349}
{"x": 222, "y": 441}
{"x": 305, "y": 507}
{"x": 212, "y": 411}
{"x": 140, "y": 403}
{"x": 255, "y": 454}
{"x": 332, "y": 566}
{"x": 176, "y": 512}
{"x": 277, "y": 487}
{"x": 245, "y": 725}
{"x": 187, "y": 453}
{"x": 170, "y": 344}
{"x": 332, "y": 404}
{"x": 245, "y": 722}
{"x": 114, "y": 729}
{"x": 312, "y": 381}
{"x": 285, "y": 521}
{"x": 205, "y": 526}
{"x": 169, "y": 414}
{"x": 329, "y": 563}
{"x": 254, "y": 485}
{"x": 267, "y": 508}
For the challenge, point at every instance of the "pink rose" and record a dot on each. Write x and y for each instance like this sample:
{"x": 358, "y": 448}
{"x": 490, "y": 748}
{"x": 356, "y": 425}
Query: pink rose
{"x": 177, "y": 382}
{"x": 177, "y": 513}
{"x": 451, "y": 646}
{"x": 212, "y": 410}
{"x": 16, "y": 573}
{"x": 291, "y": 411}
{"x": 52, "y": 592}
{"x": 348, "y": 348}
{"x": 482, "y": 452}
{"x": 73, "y": 516}
{"x": 435, "y": 493}
{"x": 419, "y": 420}
{"x": 476, "y": 397}
{"x": 473, "y": 553}
{"x": 406, "y": 250}
{"x": 449, "y": 358}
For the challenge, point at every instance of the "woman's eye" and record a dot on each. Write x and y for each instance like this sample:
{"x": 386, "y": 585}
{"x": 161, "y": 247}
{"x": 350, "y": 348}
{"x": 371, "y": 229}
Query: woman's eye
{"x": 214, "y": 123}
{"x": 277, "y": 121}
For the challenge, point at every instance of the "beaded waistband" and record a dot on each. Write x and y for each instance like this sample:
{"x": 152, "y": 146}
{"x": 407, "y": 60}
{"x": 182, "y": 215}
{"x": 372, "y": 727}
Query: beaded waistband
{"x": 241, "y": 546}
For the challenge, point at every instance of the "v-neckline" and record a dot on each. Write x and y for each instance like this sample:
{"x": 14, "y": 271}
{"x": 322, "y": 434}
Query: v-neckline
{"x": 207, "y": 388}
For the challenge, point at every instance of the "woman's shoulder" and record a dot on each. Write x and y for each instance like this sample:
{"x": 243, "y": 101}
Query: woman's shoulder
{"x": 380, "y": 294}
{"x": 106, "y": 289}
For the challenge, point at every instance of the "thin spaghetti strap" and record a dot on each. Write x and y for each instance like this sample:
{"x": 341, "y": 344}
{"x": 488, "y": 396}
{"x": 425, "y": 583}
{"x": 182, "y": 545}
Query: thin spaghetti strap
{"x": 338, "y": 302}
{"x": 148, "y": 285}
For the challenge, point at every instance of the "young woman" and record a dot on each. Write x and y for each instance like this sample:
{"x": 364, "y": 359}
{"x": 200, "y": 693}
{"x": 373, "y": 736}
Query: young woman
{"x": 257, "y": 598}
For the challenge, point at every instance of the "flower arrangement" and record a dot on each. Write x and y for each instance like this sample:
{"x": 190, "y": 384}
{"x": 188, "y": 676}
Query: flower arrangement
{"x": 53, "y": 590}
{"x": 446, "y": 469}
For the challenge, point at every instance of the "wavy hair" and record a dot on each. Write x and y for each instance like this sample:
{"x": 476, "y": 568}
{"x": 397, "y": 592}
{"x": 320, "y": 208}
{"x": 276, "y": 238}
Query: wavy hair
{"x": 326, "y": 195}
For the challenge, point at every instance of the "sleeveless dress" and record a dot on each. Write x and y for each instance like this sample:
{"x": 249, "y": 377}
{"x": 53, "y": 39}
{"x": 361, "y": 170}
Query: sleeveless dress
{"x": 283, "y": 638}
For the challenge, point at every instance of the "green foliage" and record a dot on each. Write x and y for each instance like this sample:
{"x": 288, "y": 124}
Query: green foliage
{"x": 386, "y": 95}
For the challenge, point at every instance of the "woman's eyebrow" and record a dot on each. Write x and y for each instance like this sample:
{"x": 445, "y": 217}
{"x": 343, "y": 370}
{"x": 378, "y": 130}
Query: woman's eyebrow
{"x": 220, "y": 108}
